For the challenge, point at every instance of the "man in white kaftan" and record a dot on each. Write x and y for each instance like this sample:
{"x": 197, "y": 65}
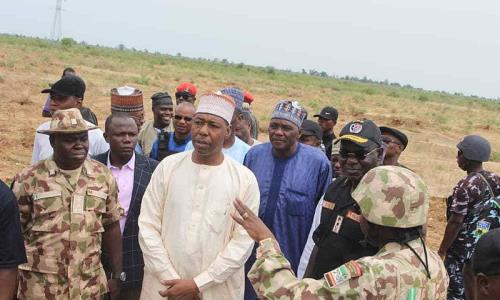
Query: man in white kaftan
{"x": 186, "y": 232}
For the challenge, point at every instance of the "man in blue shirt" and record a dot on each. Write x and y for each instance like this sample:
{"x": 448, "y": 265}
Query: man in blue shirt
{"x": 292, "y": 178}
{"x": 169, "y": 143}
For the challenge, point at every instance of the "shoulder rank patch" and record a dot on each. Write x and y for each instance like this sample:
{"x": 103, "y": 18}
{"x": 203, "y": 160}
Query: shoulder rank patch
{"x": 353, "y": 216}
{"x": 338, "y": 224}
{"x": 349, "y": 270}
{"x": 328, "y": 205}
{"x": 481, "y": 228}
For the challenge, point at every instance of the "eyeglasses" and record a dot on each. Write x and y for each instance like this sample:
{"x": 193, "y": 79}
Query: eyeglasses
{"x": 388, "y": 140}
{"x": 360, "y": 155}
{"x": 187, "y": 119}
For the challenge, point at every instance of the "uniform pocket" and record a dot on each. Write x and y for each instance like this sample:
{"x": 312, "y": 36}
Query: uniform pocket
{"x": 34, "y": 285}
{"x": 93, "y": 282}
{"x": 40, "y": 263}
{"x": 95, "y": 208}
{"x": 47, "y": 211}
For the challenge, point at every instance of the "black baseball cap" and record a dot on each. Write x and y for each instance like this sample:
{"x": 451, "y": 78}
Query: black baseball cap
{"x": 311, "y": 128}
{"x": 397, "y": 133}
{"x": 162, "y": 98}
{"x": 364, "y": 133}
{"x": 69, "y": 85}
{"x": 329, "y": 113}
{"x": 486, "y": 257}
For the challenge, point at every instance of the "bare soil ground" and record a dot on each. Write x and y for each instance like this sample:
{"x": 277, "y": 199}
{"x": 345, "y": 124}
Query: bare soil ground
{"x": 434, "y": 125}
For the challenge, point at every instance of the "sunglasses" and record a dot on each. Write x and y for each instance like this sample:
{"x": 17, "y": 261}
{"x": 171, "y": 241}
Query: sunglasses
{"x": 183, "y": 96}
{"x": 187, "y": 119}
{"x": 388, "y": 140}
{"x": 359, "y": 155}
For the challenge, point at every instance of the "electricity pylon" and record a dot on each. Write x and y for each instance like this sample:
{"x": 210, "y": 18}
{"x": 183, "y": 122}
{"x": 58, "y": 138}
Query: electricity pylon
{"x": 56, "y": 32}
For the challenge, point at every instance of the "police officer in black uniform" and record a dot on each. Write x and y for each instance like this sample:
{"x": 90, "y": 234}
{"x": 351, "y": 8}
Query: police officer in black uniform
{"x": 338, "y": 238}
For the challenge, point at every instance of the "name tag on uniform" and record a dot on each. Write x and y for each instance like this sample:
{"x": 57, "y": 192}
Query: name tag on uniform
{"x": 77, "y": 204}
{"x": 338, "y": 224}
{"x": 353, "y": 216}
{"x": 349, "y": 270}
{"x": 38, "y": 196}
{"x": 328, "y": 205}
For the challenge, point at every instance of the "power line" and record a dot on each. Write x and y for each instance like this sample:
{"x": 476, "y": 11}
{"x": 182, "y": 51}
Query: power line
{"x": 56, "y": 32}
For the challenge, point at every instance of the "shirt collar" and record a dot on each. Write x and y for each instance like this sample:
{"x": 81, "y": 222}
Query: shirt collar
{"x": 393, "y": 247}
{"x": 130, "y": 164}
{"x": 52, "y": 167}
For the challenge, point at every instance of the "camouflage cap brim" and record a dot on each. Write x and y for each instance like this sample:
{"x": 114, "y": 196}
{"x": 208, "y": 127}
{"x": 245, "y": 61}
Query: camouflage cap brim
{"x": 69, "y": 131}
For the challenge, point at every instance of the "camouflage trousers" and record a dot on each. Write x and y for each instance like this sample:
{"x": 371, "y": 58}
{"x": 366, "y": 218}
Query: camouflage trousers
{"x": 454, "y": 266}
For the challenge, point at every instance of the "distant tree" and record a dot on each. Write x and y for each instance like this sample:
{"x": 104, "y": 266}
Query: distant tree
{"x": 68, "y": 42}
{"x": 304, "y": 71}
{"x": 323, "y": 74}
{"x": 313, "y": 72}
{"x": 270, "y": 70}
{"x": 121, "y": 47}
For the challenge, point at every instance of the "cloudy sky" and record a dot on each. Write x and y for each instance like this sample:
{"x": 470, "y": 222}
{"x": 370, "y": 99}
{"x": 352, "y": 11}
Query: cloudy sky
{"x": 450, "y": 45}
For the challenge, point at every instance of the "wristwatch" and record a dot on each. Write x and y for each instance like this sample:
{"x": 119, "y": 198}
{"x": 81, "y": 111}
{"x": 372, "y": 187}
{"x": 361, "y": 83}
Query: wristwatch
{"x": 118, "y": 275}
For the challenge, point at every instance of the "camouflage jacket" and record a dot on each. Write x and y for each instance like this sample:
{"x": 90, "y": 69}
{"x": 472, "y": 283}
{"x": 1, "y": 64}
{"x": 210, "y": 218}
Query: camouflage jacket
{"x": 62, "y": 226}
{"x": 393, "y": 273}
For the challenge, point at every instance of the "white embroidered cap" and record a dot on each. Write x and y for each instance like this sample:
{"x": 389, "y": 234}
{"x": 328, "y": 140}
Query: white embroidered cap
{"x": 217, "y": 104}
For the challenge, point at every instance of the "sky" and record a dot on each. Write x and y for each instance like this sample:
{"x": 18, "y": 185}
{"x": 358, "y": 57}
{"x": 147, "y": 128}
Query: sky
{"x": 449, "y": 45}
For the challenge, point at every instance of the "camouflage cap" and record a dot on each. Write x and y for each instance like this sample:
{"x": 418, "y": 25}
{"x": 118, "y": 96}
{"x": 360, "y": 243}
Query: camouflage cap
{"x": 393, "y": 196}
{"x": 67, "y": 121}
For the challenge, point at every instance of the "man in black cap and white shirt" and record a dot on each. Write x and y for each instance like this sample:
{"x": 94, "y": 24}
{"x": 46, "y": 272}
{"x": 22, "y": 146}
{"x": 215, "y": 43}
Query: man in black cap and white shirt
{"x": 163, "y": 110}
{"x": 339, "y": 238}
{"x": 66, "y": 93}
{"x": 327, "y": 119}
{"x": 396, "y": 142}
{"x": 479, "y": 185}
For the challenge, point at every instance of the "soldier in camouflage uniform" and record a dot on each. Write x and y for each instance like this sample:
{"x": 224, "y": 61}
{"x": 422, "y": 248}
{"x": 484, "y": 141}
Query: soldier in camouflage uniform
{"x": 394, "y": 203}
{"x": 463, "y": 208}
{"x": 68, "y": 206}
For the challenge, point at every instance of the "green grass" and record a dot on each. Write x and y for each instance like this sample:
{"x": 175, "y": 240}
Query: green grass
{"x": 153, "y": 70}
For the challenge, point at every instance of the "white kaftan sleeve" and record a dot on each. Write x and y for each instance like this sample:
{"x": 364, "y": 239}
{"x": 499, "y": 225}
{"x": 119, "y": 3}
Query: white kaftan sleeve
{"x": 156, "y": 258}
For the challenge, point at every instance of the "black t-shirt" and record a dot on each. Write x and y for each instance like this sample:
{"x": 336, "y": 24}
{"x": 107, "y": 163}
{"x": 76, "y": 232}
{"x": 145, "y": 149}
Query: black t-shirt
{"x": 12, "y": 252}
{"x": 327, "y": 142}
{"x": 88, "y": 115}
{"x": 339, "y": 235}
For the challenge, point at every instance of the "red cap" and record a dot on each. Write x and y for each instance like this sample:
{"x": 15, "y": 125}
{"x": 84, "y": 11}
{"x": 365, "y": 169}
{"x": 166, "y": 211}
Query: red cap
{"x": 248, "y": 97}
{"x": 187, "y": 87}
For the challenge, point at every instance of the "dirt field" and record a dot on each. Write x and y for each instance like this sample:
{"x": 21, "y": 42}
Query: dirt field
{"x": 433, "y": 122}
